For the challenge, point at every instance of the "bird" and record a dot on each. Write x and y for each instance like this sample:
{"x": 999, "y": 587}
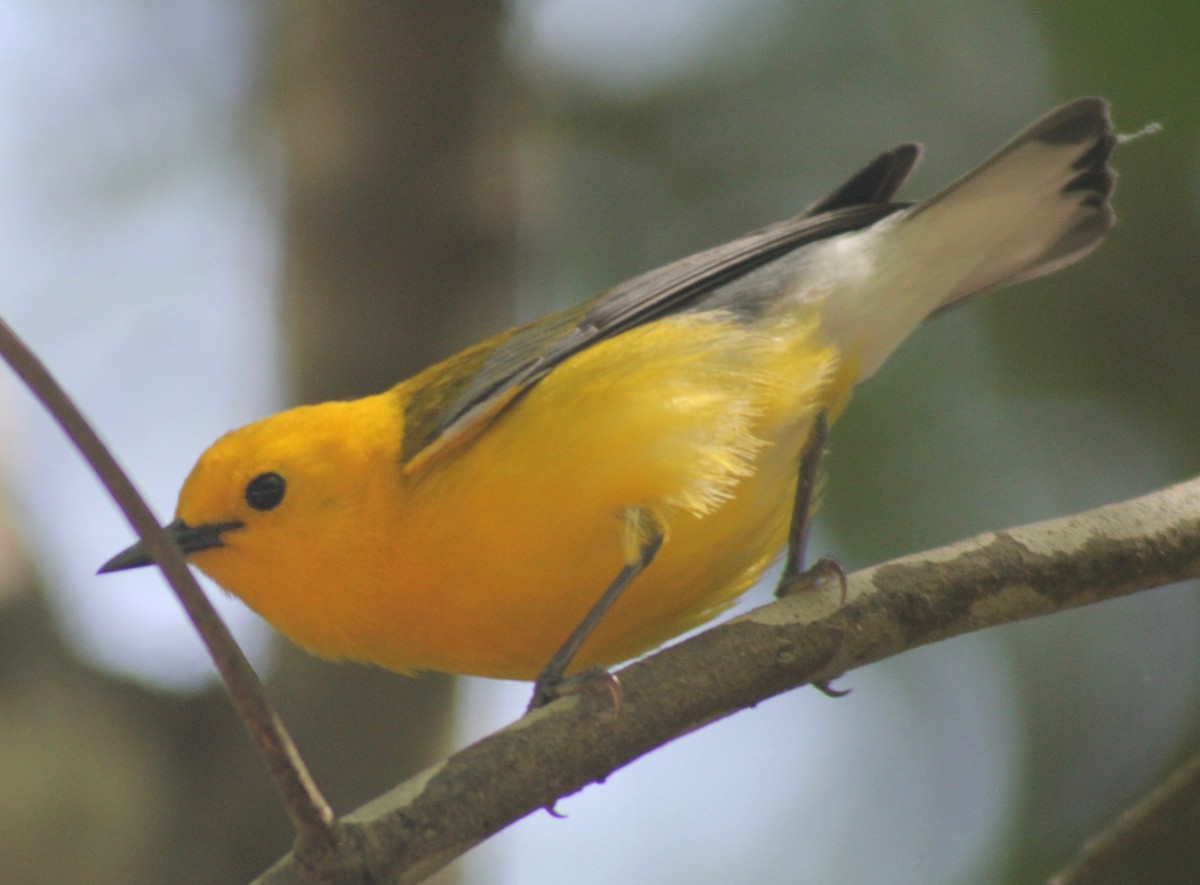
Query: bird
{"x": 579, "y": 490}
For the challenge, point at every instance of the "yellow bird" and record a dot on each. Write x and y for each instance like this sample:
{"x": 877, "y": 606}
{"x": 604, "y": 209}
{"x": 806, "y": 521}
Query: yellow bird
{"x": 641, "y": 448}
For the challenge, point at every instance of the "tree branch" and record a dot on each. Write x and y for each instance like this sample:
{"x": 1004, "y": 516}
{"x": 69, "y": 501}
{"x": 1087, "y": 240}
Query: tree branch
{"x": 310, "y": 813}
{"x": 557, "y": 750}
{"x": 996, "y": 578}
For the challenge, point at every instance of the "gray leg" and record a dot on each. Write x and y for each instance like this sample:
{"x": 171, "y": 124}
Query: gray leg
{"x": 551, "y": 680}
{"x": 796, "y": 578}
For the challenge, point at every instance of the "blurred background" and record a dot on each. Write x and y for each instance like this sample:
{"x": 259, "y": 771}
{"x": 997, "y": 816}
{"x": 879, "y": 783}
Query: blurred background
{"x": 212, "y": 209}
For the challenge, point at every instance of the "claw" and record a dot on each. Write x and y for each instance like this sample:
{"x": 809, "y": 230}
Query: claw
{"x": 596, "y": 679}
{"x": 819, "y": 574}
{"x": 826, "y": 688}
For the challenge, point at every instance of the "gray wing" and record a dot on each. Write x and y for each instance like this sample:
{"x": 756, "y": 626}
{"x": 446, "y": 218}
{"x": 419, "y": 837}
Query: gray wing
{"x": 458, "y": 404}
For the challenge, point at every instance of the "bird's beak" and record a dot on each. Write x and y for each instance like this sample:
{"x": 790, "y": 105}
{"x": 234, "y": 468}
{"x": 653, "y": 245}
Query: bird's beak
{"x": 190, "y": 539}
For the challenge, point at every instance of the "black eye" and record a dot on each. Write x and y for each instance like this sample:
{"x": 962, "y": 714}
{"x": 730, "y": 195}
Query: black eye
{"x": 265, "y": 491}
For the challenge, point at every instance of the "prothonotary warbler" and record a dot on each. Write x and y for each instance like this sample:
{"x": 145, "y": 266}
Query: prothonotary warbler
{"x": 642, "y": 447}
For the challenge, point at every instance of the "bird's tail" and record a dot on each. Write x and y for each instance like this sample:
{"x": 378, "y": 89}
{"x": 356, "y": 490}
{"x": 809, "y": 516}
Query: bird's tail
{"x": 1039, "y": 204}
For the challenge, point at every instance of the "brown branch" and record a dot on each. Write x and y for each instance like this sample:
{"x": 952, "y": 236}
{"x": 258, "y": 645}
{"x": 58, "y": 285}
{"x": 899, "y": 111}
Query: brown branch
{"x": 310, "y": 813}
{"x": 1131, "y": 827}
{"x": 993, "y": 579}
{"x": 805, "y": 638}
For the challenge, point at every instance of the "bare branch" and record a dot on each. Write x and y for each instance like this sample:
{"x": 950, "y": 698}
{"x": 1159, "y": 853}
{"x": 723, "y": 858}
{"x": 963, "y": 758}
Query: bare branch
{"x": 804, "y": 638}
{"x": 993, "y": 579}
{"x": 310, "y": 813}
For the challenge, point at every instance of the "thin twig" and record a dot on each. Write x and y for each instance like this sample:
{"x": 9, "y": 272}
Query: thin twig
{"x": 310, "y": 813}
{"x": 1134, "y": 825}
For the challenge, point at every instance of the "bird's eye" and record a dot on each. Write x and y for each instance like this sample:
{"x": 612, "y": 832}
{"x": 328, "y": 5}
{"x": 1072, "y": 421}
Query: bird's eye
{"x": 265, "y": 491}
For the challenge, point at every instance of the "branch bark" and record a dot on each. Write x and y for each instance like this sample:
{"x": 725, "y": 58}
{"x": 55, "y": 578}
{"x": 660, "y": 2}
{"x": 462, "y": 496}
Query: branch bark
{"x": 996, "y": 578}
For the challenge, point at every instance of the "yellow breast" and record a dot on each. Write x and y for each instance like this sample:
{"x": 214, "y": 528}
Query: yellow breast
{"x": 484, "y": 562}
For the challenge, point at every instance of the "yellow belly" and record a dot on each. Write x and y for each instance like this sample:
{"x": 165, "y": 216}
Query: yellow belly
{"x": 496, "y": 551}
{"x": 697, "y": 419}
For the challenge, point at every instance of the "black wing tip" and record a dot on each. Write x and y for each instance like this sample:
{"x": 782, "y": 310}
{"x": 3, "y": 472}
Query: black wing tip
{"x": 910, "y": 152}
{"x": 877, "y": 182}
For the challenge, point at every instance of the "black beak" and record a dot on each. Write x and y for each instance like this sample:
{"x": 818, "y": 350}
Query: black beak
{"x": 188, "y": 538}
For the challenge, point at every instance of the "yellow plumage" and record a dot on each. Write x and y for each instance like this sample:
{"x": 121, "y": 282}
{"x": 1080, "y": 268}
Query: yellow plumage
{"x": 482, "y": 560}
{"x": 468, "y": 519}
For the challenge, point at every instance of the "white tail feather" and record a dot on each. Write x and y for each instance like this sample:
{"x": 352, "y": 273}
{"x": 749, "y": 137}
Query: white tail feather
{"x": 1037, "y": 205}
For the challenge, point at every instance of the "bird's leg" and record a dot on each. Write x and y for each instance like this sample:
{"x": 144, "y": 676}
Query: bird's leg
{"x": 795, "y": 577}
{"x": 806, "y": 486}
{"x": 645, "y": 536}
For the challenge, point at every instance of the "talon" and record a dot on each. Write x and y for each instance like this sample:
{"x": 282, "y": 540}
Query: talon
{"x": 595, "y": 679}
{"x": 820, "y": 573}
{"x": 552, "y": 810}
{"x": 828, "y": 569}
{"x": 603, "y": 679}
{"x": 543, "y": 693}
{"x": 826, "y": 688}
